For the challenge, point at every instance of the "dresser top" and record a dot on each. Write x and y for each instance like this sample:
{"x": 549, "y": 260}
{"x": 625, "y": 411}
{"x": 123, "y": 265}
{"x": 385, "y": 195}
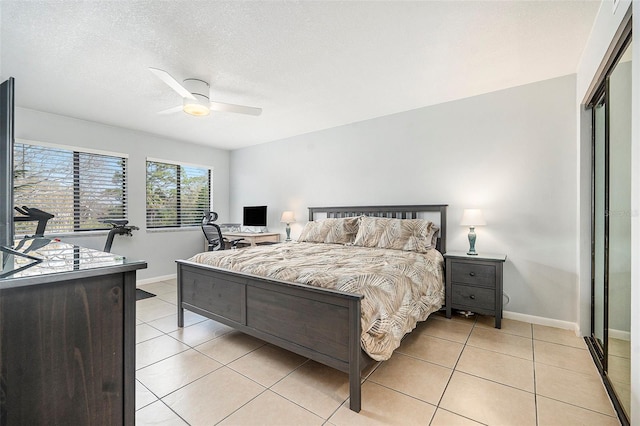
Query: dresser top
{"x": 479, "y": 256}
{"x": 36, "y": 260}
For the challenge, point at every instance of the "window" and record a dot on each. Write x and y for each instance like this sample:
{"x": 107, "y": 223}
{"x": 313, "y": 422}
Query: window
{"x": 80, "y": 188}
{"x": 177, "y": 195}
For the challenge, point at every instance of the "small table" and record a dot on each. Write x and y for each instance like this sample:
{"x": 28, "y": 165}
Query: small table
{"x": 253, "y": 237}
{"x": 474, "y": 283}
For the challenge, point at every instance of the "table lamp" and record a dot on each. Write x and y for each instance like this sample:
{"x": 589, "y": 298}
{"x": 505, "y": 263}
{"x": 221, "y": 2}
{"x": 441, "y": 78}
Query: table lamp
{"x": 287, "y": 217}
{"x": 472, "y": 218}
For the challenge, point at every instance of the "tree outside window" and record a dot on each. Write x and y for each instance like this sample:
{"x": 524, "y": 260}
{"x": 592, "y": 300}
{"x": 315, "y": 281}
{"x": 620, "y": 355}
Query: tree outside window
{"x": 81, "y": 189}
{"x": 177, "y": 195}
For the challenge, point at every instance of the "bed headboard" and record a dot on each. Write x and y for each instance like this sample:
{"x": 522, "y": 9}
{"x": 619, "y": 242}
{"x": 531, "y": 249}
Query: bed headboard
{"x": 437, "y": 213}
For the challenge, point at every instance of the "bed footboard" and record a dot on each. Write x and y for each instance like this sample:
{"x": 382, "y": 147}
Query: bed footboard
{"x": 320, "y": 324}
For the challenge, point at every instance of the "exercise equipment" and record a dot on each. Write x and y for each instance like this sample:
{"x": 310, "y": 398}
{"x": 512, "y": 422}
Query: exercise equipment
{"x": 32, "y": 214}
{"x": 118, "y": 227}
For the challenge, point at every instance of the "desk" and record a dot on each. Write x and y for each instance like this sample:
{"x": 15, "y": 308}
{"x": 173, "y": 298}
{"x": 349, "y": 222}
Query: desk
{"x": 253, "y": 237}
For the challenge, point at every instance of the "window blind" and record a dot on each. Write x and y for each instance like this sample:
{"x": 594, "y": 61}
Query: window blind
{"x": 81, "y": 189}
{"x": 177, "y": 195}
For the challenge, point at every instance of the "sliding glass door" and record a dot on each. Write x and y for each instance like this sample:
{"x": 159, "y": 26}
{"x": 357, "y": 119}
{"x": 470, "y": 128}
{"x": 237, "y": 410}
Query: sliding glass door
{"x": 619, "y": 231}
{"x": 611, "y": 230}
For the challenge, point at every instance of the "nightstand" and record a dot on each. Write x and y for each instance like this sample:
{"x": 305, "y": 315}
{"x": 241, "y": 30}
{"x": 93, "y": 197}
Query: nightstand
{"x": 474, "y": 283}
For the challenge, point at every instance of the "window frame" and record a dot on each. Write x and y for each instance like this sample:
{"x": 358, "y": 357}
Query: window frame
{"x": 178, "y": 225}
{"x": 74, "y": 226}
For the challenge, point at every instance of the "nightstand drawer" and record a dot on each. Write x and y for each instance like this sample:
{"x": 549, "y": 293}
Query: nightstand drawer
{"x": 474, "y": 297}
{"x": 470, "y": 273}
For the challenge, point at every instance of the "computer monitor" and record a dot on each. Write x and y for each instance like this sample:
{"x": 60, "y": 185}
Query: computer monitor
{"x": 254, "y": 216}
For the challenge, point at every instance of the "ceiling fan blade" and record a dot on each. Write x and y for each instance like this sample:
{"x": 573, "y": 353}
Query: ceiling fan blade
{"x": 171, "y": 82}
{"x": 171, "y": 110}
{"x": 241, "y": 109}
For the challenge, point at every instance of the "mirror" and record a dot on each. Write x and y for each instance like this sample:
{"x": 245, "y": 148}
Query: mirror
{"x": 619, "y": 303}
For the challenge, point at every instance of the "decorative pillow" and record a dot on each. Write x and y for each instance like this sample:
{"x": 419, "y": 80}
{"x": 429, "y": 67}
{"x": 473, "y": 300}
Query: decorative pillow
{"x": 435, "y": 236}
{"x": 335, "y": 231}
{"x": 315, "y": 232}
{"x": 343, "y": 230}
{"x": 400, "y": 234}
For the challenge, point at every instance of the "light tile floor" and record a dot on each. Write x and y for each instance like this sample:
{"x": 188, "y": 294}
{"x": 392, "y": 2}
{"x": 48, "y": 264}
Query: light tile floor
{"x": 446, "y": 372}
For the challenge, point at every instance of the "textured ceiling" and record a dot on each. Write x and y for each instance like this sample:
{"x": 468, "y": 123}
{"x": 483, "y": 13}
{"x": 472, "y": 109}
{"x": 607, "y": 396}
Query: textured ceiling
{"x": 310, "y": 65}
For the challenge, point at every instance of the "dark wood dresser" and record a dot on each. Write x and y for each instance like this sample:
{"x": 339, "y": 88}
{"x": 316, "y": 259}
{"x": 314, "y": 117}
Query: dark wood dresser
{"x": 67, "y": 337}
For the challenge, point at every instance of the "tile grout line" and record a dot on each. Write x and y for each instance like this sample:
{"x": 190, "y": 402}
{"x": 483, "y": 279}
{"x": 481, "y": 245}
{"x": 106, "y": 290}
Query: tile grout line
{"x": 295, "y": 403}
{"x": 307, "y": 360}
{"x": 460, "y": 415}
{"x": 240, "y": 407}
{"x": 405, "y": 394}
{"x": 174, "y": 412}
{"x": 535, "y": 383}
{"x": 453, "y": 370}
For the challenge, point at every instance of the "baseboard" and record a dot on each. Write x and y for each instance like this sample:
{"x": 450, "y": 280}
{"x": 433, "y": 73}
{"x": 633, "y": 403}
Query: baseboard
{"x": 156, "y": 279}
{"x": 619, "y": 334}
{"x": 549, "y": 322}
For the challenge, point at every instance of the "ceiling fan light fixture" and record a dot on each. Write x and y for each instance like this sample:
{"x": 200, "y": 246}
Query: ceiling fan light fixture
{"x": 198, "y": 108}
{"x": 195, "y": 97}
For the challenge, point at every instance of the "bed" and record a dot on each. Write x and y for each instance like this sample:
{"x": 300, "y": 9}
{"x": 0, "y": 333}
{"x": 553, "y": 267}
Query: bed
{"x": 321, "y": 323}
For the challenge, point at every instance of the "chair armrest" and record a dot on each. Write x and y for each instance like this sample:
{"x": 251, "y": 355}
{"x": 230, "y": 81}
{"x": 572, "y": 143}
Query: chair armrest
{"x": 235, "y": 242}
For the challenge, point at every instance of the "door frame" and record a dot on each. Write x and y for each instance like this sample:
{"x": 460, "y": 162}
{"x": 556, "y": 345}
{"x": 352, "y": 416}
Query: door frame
{"x": 599, "y": 352}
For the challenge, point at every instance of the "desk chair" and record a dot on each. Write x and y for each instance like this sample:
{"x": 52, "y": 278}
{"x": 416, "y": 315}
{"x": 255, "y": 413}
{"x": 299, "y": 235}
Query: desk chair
{"x": 213, "y": 234}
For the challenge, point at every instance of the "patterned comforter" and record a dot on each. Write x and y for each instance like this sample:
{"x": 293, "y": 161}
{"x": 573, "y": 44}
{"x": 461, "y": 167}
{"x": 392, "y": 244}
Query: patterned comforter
{"x": 400, "y": 288}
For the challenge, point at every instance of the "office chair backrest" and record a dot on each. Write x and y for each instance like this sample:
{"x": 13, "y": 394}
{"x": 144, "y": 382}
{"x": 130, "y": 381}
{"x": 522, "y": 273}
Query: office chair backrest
{"x": 209, "y": 217}
{"x": 213, "y": 234}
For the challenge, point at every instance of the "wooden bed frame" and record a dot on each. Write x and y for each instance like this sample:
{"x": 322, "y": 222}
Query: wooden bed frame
{"x": 317, "y": 323}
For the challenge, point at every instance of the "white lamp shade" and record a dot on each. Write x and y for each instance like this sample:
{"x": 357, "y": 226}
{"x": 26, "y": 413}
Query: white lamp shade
{"x": 472, "y": 217}
{"x": 287, "y": 217}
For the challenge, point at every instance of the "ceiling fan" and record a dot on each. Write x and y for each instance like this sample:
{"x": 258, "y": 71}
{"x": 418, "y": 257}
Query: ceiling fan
{"x": 195, "y": 97}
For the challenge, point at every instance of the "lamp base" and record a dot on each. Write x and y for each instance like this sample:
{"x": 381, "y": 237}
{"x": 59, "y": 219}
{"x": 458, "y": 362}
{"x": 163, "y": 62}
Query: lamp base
{"x": 472, "y": 242}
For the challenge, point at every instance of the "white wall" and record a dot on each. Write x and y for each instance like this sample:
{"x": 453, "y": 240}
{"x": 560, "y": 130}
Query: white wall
{"x": 510, "y": 153}
{"x": 159, "y": 249}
